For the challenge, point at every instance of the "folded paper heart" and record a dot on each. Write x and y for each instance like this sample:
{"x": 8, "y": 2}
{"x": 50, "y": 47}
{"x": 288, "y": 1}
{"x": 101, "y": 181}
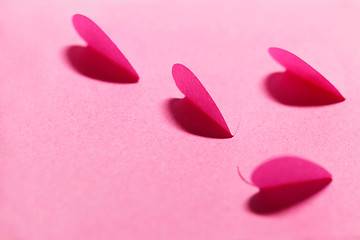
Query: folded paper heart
{"x": 302, "y": 70}
{"x": 285, "y": 181}
{"x": 102, "y": 44}
{"x": 196, "y": 93}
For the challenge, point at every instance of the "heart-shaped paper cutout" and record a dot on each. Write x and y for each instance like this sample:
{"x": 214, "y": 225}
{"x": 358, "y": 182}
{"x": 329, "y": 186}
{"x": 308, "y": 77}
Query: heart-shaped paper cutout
{"x": 284, "y": 182}
{"x": 196, "y": 93}
{"x": 286, "y": 171}
{"x": 296, "y": 66}
{"x": 101, "y": 43}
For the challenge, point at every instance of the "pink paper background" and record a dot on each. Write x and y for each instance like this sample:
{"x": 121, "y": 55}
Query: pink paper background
{"x": 87, "y": 159}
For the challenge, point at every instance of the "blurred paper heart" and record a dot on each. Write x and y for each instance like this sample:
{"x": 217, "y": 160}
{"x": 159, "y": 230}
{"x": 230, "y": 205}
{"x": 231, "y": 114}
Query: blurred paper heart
{"x": 285, "y": 181}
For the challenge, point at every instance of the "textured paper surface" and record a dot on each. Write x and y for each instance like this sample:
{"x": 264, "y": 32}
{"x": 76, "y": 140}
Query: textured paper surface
{"x": 84, "y": 158}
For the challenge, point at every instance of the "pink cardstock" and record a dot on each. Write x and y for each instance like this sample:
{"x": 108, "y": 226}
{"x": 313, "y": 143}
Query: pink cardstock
{"x": 86, "y": 156}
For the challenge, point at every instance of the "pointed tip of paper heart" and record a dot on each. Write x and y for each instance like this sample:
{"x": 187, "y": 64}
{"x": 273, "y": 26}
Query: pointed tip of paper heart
{"x": 190, "y": 118}
{"x": 304, "y": 71}
{"x": 100, "y": 42}
{"x": 195, "y": 92}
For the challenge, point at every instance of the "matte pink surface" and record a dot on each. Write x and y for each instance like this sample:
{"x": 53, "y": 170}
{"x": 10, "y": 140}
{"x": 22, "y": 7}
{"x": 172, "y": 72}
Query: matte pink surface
{"x": 192, "y": 88}
{"x": 87, "y": 159}
{"x": 297, "y": 66}
{"x": 100, "y": 42}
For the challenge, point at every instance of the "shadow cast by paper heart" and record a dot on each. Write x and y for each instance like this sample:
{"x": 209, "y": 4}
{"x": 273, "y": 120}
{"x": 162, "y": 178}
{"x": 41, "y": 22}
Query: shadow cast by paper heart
{"x": 90, "y": 63}
{"x": 289, "y": 89}
{"x": 277, "y": 198}
{"x": 190, "y": 118}
{"x": 273, "y": 200}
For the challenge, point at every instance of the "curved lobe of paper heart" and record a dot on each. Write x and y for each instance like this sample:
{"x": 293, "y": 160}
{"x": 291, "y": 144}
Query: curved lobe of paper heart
{"x": 286, "y": 171}
{"x": 194, "y": 91}
{"x": 300, "y": 68}
{"x": 101, "y": 43}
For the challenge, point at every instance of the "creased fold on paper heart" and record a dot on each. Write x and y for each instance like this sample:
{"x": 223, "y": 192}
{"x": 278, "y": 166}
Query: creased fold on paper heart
{"x": 196, "y": 93}
{"x": 97, "y": 40}
{"x": 285, "y": 181}
{"x": 298, "y": 67}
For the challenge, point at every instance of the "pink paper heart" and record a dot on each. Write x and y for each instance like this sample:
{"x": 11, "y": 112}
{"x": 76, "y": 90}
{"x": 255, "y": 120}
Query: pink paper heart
{"x": 286, "y": 171}
{"x": 101, "y": 43}
{"x": 196, "y": 93}
{"x": 284, "y": 182}
{"x": 296, "y": 66}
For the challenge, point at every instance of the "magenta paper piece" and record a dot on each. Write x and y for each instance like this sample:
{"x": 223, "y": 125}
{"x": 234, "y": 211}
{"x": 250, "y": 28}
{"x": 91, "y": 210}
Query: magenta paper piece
{"x": 101, "y": 43}
{"x": 286, "y": 171}
{"x": 284, "y": 182}
{"x": 303, "y": 70}
{"x": 194, "y": 91}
